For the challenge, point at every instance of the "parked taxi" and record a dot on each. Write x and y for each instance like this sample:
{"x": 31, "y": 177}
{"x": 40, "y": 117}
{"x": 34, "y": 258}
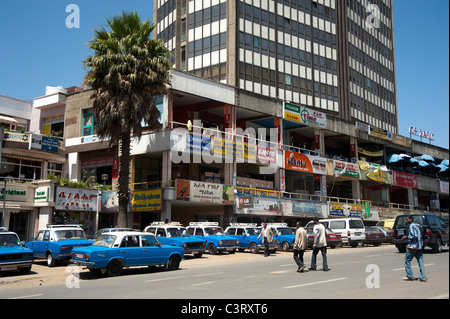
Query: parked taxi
{"x": 214, "y": 236}
{"x": 247, "y": 234}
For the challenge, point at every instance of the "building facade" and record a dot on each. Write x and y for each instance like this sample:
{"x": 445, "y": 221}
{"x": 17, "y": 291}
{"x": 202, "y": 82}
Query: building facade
{"x": 333, "y": 56}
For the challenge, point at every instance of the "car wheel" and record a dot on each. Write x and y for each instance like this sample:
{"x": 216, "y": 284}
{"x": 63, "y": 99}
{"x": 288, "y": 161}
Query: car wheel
{"x": 25, "y": 270}
{"x": 254, "y": 248}
{"x": 285, "y": 246}
{"x": 51, "y": 262}
{"x": 198, "y": 255}
{"x": 173, "y": 263}
{"x": 212, "y": 249}
{"x": 401, "y": 248}
{"x": 437, "y": 248}
{"x": 114, "y": 268}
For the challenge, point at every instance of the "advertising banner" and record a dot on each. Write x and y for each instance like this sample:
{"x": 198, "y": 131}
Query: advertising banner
{"x": 304, "y": 208}
{"x": 404, "y": 179}
{"x": 346, "y": 169}
{"x": 267, "y": 206}
{"x": 346, "y": 210}
{"x": 304, "y": 115}
{"x": 444, "y": 187}
{"x": 76, "y": 199}
{"x": 110, "y": 202}
{"x": 203, "y": 192}
{"x": 147, "y": 200}
{"x": 245, "y": 202}
{"x": 374, "y": 172}
{"x": 44, "y": 143}
{"x": 305, "y": 163}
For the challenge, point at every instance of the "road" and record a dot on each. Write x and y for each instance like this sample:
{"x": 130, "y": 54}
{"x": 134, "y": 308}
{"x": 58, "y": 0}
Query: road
{"x": 362, "y": 272}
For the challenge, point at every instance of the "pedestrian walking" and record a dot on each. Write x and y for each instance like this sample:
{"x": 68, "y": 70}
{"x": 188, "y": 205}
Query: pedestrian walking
{"x": 414, "y": 250}
{"x": 267, "y": 235}
{"x": 320, "y": 244}
{"x": 300, "y": 245}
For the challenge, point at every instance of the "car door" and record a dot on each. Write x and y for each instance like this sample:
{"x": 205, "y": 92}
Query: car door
{"x": 152, "y": 252}
{"x": 244, "y": 240}
{"x": 131, "y": 251}
{"x": 40, "y": 246}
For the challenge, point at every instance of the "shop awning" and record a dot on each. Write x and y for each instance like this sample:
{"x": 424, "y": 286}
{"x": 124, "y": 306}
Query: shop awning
{"x": 8, "y": 120}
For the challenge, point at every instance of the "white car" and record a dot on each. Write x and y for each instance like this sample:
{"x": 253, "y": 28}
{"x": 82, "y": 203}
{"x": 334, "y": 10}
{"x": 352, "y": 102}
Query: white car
{"x": 352, "y": 230}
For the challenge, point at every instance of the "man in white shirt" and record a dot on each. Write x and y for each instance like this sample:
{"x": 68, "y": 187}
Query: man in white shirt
{"x": 320, "y": 244}
{"x": 267, "y": 235}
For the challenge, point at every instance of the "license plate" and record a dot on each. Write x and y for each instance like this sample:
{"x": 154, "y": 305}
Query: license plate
{"x": 79, "y": 256}
{"x": 357, "y": 234}
{"x": 229, "y": 249}
{"x": 9, "y": 268}
{"x": 400, "y": 232}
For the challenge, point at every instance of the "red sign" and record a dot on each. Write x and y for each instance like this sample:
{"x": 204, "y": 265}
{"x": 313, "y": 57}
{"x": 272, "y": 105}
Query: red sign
{"x": 404, "y": 179}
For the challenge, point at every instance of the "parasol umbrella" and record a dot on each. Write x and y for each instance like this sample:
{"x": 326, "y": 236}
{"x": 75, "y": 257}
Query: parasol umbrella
{"x": 445, "y": 163}
{"x": 423, "y": 164}
{"x": 442, "y": 167}
{"x": 394, "y": 158}
{"x": 427, "y": 158}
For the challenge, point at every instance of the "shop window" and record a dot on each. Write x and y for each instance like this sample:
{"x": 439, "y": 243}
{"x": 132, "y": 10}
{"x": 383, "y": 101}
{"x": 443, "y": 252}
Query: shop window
{"x": 54, "y": 126}
{"x": 20, "y": 168}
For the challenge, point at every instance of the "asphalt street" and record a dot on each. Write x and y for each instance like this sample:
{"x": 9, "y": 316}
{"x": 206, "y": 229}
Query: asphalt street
{"x": 362, "y": 272}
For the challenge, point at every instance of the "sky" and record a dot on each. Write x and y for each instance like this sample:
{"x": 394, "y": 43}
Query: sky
{"x": 38, "y": 49}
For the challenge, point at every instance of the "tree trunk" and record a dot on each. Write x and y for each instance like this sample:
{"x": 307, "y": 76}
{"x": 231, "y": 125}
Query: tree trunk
{"x": 124, "y": 180}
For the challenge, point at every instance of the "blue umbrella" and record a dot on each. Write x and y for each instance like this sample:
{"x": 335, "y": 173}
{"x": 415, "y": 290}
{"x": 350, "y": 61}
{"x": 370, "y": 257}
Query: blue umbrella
{"x": 442, "y": 167}
{"x": 423, "y": 164}
{"x": 413, "y": 160}
{"x": 394, "y": 158}
{"x": 427, "y": 158}
{"x": 445, "y": 163}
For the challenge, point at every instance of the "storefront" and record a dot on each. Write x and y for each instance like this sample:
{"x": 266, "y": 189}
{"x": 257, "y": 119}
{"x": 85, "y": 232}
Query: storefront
{"x": 76, "y": 206}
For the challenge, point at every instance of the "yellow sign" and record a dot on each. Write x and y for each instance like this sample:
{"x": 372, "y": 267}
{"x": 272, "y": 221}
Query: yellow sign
{"x": 292, "y": 116}
{"x": 148, "y": 200}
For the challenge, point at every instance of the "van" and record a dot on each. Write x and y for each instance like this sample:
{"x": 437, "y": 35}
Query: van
{"x": 386, "y": 223}
{"x": 352, "y": 230}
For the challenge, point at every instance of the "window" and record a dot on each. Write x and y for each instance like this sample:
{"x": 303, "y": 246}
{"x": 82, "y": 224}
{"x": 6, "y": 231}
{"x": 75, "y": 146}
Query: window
{"x": 240, "y": 232}
{"x": 231, "y": 231}
{"x": 130, "y": 241}
{"x": 88, "y": 122}
{"x": 54, "y": 126}
{"x": 149, "y": 241}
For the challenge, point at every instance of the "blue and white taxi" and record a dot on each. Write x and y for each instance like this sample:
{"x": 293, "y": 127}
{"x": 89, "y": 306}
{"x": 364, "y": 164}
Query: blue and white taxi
{"x": 112, "y": 252}
{"x": 213, "y": 234}
{"x": 284, "y": 234}
{"x": 12, "y": 255}
{"x": 175, "y": 234}
{"x": 55, "y": 243}
{"x": 247, "y": 235}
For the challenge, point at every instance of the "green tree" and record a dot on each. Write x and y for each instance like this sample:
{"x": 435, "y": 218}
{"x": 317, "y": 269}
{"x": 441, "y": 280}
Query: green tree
{"x": 128, "y": 68}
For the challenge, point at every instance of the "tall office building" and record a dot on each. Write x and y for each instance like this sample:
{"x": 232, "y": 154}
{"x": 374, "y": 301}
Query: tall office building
{"x": 333, "y": 55}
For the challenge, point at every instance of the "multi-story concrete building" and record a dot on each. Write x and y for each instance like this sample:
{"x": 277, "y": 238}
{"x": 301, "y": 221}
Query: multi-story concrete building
{"x": 333, "y": 56}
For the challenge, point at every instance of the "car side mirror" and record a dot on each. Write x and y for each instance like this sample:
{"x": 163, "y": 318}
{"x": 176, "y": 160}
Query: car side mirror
{"x": 22, "y": 243}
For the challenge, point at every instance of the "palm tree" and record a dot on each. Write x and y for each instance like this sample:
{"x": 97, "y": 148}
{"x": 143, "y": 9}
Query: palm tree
{"x": 127, "y": 69}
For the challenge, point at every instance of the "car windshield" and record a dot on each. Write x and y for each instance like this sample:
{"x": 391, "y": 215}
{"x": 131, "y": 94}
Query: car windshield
{"x": 9, "y": 240}
{"x": 177, "y": 232}
{"x": 285, "y": 231}
{"x": 356, "y": 223}
{"x": 400, "y": 222}
{"x": 69, "y": 234}
{"x": 253, "y": 231}
{"x": 105, "y": 241}
{"x": 213, "y": 231}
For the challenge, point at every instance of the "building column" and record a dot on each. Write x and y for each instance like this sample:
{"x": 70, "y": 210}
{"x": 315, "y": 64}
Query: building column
{"x": 356, "y": 190}
{"x": 166, "y": 212}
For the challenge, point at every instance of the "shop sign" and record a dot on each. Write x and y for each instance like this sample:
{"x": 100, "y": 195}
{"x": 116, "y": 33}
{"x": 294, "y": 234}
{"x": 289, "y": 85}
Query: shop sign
{"x": 304, "y": 208}
{"x": 346, "y": 210}
{"x": 386, "y": 213}
{"x": 198, "y": 142}
{"x": 265, "y": 205}
{"x": 109, "y": 202}
{"x": 203, "y": 192}
{"x": 245, "y": 202}
{"x": 404, "y": 179}
{"x": 16, "y": 137}
{"x": 147, "y": 200}
{"x": 75, "y": 199}
{"x": 15, "y": 194}
{"x": 374, "y": 172}
{"x": 41, "y": 194}
{"x": 267, "y": 152}
{"x": 305, "y": 163}
{"x": 362, "y": 127}
{"x": 401, "y": 140}
{"x": 380, "y": 133}
{"x": 304, "y": 115}
{"x": 44, "y": 143}
{"x": 347, "y": 169}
